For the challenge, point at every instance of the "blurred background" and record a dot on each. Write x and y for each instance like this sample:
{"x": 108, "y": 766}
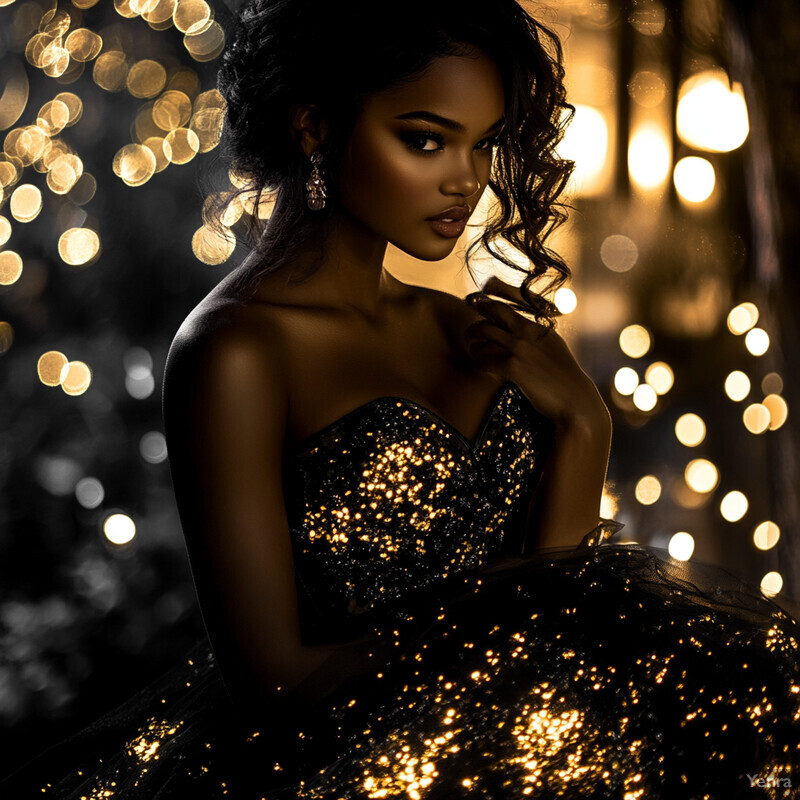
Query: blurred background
{"x": 682, "y": 308}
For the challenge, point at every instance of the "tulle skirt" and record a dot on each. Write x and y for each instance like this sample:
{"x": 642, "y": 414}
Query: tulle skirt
{"x": 611, "y": 671}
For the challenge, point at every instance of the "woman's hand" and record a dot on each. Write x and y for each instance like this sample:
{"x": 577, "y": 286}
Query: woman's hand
{"x": 531, "y": 355}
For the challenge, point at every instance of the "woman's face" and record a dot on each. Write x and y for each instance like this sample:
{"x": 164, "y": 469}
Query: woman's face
{"x": 421, "y": 149}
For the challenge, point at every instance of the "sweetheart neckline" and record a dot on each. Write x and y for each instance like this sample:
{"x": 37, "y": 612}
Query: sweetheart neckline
{"x": 306, "y": 443}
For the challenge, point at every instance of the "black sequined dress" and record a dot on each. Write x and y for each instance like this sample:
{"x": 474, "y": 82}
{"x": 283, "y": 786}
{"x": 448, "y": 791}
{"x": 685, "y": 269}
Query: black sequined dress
{"x": 602, "y": 671}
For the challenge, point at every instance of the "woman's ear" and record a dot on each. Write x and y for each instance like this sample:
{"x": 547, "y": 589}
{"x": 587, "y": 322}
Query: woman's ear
{"x": 308, "y": 126}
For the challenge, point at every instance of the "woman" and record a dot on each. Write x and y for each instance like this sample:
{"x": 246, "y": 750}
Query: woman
{"x": 390, "y": 496}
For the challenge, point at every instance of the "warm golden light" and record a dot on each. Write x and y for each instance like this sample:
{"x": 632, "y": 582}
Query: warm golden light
{"x": 619, "y": 253}
{"x": 737, "y": 385}
{"x": 172, "y": 110}
{"x": 756, "y": 418}
{"x": 565, "y": 300}
{"x": 10, "y": 267}
{"x": 635, "y": 341}
{"x": 712, "y": 114}
{"x": 119, "y": 529}
{"x": 694, "y": 179}
{"x": 647, "y": 89}
{"x": 192, "y": 16}
{"x": 778, "y": 410}
{"x": 681, "y": 546}
{"x": 733, "y": 506}
{"x": 111, "y": 70}
{"x": 211, "y": 248}
{"x": 26, "y": 202}
{"x": 146, "y": 78}
{"x": 586, "y": 143}
{"x": 742, "y": 317}
{"x": 757, "y": 341}
{"x": 660, "y": 376}
{"x": 649, "y": 156}
{"x": 5, "y": 227}
{"x": 52, "y": 368}
{"x": 766, "y": 535}
{"x": 78, "y": 378}
{"x": 626, "y": 380}
{"x": 648, "y": 490}
{"x": 207, "y": 44}
{"x": 135, "y": 164}
{"x": 772, "y": 583}
{"x": 64, "y": 173}
{"x": 183, "y": 145}
{"x": 6, "y": 337}
{"x": 82, "y": 44}
{"x": 609, "y": 504}
{"x": 78, "y": 246}
{"x": 690, "y": 430}
{"x": 701, "y": 475}
{"x": 644, "y": 397}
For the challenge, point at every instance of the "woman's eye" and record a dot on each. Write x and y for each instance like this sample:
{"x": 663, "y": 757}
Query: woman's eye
{"x": 488, "y": 144}
{"x": 427, "y": 142}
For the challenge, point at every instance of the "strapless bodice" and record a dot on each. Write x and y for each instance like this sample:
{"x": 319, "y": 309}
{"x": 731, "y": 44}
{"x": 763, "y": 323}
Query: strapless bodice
{"x": 391, "y": 497}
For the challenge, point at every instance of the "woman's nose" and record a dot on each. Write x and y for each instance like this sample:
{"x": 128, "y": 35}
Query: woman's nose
{"x": 461, "y": 178}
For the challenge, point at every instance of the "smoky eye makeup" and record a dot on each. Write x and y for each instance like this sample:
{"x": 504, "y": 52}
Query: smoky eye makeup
{"x": 418, "y": 141}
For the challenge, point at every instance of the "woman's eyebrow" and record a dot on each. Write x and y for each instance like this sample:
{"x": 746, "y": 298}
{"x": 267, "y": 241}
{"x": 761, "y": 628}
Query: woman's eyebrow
{"x": 445, "y": 122}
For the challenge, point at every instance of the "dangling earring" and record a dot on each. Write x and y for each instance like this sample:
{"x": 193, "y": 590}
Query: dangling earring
{"x": 316, "y": 191}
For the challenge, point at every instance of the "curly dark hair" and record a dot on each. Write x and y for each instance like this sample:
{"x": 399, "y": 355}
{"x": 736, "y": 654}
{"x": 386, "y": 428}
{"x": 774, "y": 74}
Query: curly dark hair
{"x": 334, "y": 55}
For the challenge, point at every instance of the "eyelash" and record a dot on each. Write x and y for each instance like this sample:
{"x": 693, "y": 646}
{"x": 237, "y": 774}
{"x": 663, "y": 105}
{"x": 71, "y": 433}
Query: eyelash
{"x": 411, "y": 139}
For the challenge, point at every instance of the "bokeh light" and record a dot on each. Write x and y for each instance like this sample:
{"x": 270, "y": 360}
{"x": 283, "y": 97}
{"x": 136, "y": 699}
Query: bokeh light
{"x": 119, "y": 529}
{"x": 772, "y": 583}
{"x": 565, "y": 300}
{"x": 78, "y": 378}
{"x": 778, "y": 410}
{"x": 766, "y": 535}
{"x": 619, "y": 253}
{"x": 649, "y": 156}
{"x": 690, "y": 430}
{"x": 701, "y": 475}
{"x": 52, "y": 368}
{"x": 711, "y": 114}
{"x": 626, "y": 380}
{"x": 660, "y": 376}
{"x": 648, "y": 490}
{"x": 681, "y": 546}
{"x": 737, "y": 385}
{"x": 89, "y": 492}
{"x": 756, "y": 418}
{"x": 153, "y": 447}
{"x": 586, "y": 143}
{"x": 733, "y": 506}
{"x": 757, "y": 341}
{"x": 742, "y": 317}
{"x": 694, "y": 179}
{"x": 644, "y": 397}
{"x": 772, "y": 383}
{"x": 635, "y": 341}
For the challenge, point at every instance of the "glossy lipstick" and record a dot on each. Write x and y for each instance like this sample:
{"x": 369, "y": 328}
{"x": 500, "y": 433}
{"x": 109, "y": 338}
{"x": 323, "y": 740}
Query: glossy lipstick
{"x": 451, "y": 222}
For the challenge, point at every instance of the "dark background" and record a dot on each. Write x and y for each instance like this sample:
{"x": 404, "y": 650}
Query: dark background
{"x": 83, "y": 622}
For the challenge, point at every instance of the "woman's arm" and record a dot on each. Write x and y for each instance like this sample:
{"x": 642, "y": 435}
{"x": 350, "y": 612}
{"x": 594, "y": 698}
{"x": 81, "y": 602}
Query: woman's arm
{"x": 225, "y": 406}
{"x": 566, "y": 503}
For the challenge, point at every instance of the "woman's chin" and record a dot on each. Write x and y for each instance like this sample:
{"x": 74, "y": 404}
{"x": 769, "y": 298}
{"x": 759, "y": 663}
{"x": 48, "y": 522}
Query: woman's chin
{"x": 436, "y": 251}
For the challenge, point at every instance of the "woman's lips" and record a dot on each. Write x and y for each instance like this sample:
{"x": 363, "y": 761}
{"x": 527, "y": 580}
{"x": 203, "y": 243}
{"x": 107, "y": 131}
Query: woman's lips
{"x": 450, "y": 230}
{"x": 450, "y": 222}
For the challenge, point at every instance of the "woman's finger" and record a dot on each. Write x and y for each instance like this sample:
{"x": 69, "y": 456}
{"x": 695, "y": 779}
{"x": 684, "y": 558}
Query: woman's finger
{"x": 487, "y": 330}
{"x": 497, "y": 310}
{"x": 497, "y": 286}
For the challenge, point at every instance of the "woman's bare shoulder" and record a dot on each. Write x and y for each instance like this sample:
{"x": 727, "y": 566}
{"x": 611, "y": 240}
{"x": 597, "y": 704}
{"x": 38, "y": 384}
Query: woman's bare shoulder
{"x": 221, "y": 328}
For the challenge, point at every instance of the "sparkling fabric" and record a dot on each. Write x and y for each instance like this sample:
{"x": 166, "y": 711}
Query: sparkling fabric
{"x": 604, "y": 671}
